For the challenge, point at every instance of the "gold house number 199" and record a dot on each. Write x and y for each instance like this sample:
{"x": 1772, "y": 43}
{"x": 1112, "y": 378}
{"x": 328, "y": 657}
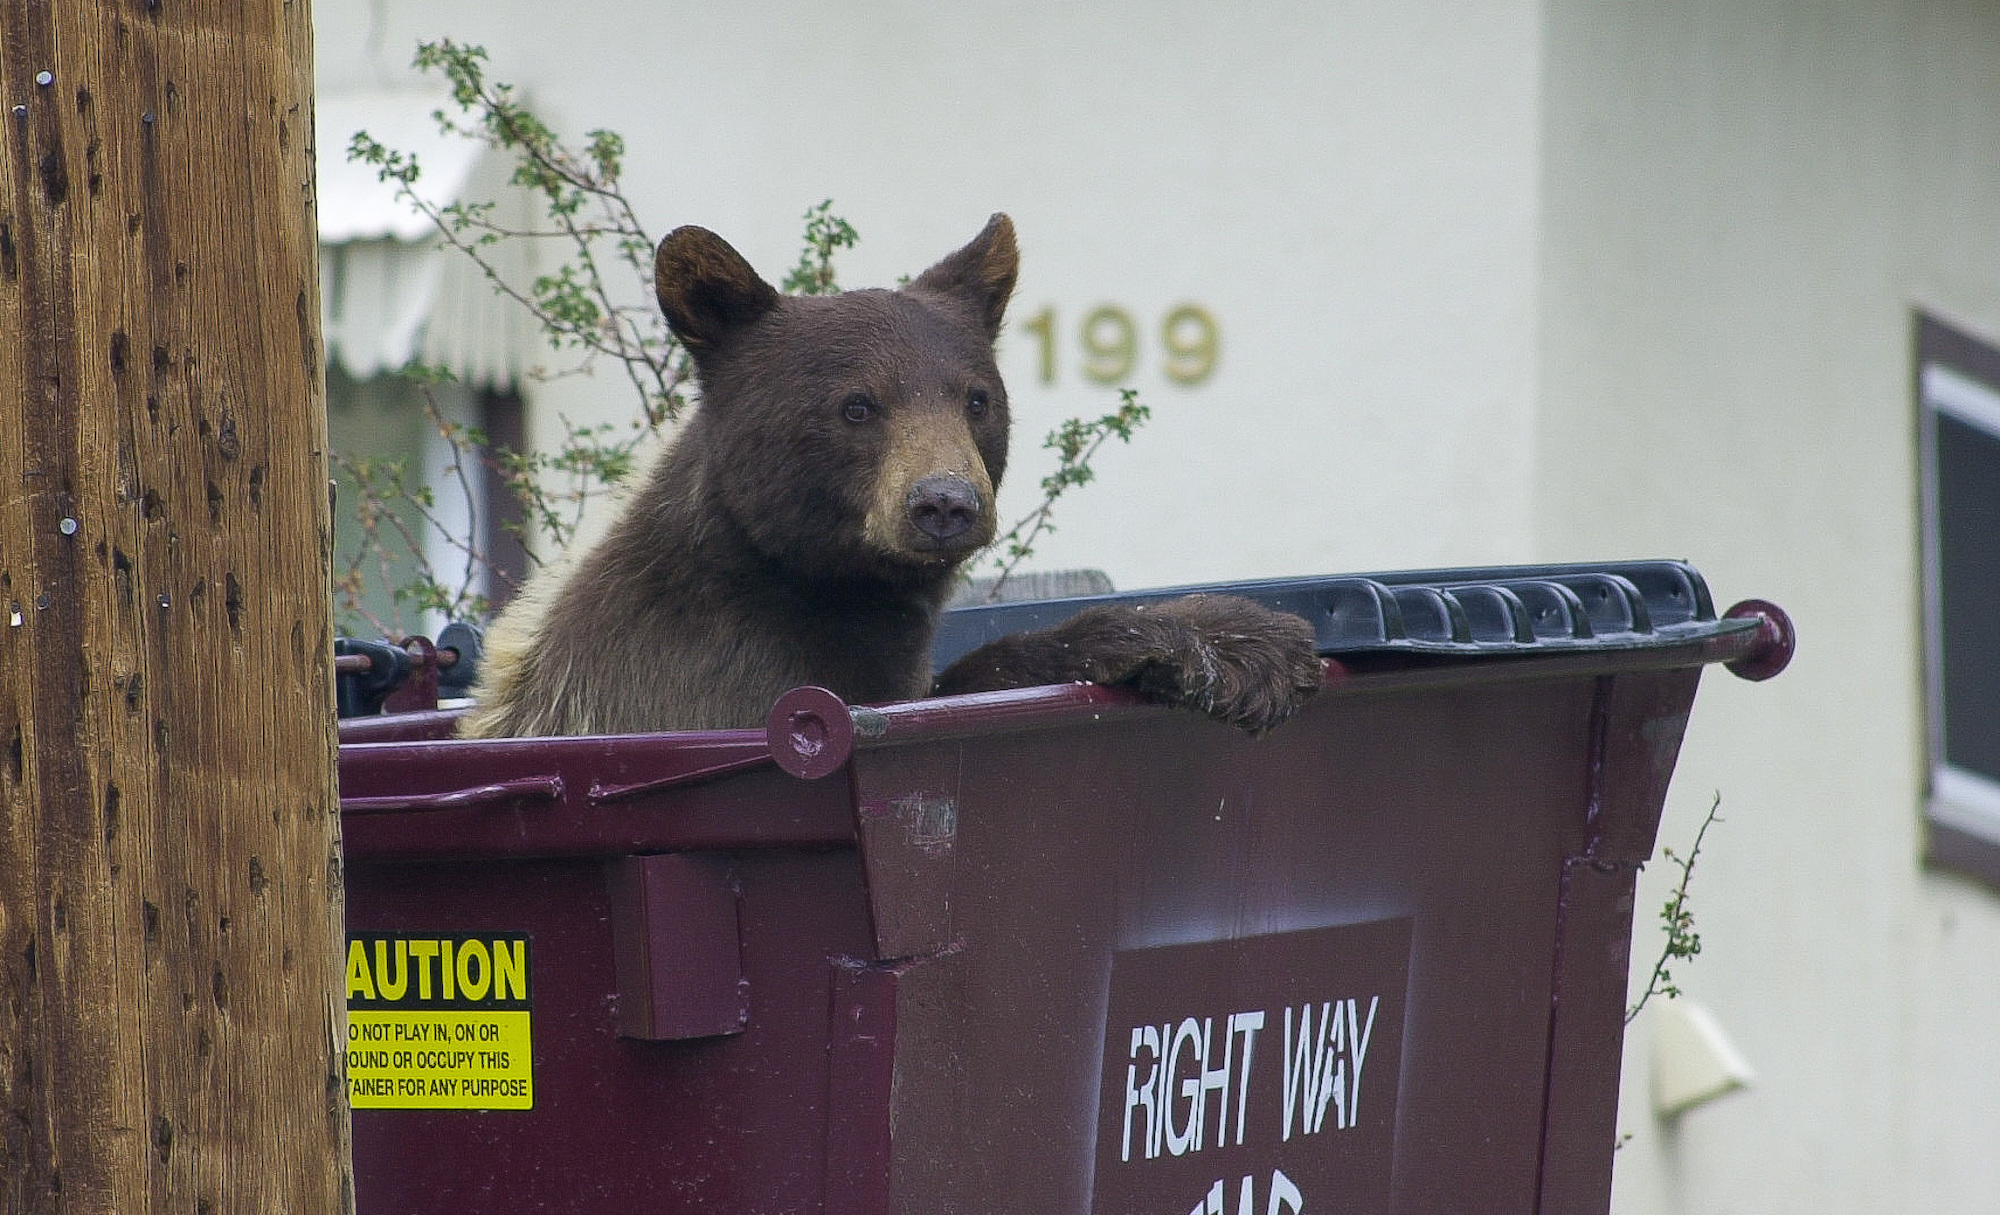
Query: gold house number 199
{"x": 1110, "y": 341}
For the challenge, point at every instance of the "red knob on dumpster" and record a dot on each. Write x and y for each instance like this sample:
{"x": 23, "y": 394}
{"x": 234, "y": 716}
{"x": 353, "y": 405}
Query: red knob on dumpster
{"x": 810, "y": 732}
{"x": 1775, "y": 643}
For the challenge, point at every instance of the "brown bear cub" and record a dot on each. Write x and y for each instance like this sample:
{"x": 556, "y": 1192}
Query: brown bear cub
{"x": 808, "y": 524}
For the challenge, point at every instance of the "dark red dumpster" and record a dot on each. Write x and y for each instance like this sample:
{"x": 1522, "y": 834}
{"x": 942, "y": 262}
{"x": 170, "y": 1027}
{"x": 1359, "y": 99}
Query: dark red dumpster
{"x": 1046, "y": 950}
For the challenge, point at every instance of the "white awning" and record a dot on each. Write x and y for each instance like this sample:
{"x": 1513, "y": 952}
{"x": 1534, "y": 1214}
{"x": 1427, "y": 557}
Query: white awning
{"x": 389, "y": 292}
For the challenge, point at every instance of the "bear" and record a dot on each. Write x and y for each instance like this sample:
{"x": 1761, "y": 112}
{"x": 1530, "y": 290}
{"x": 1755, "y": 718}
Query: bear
{"x": 809, "y": 521}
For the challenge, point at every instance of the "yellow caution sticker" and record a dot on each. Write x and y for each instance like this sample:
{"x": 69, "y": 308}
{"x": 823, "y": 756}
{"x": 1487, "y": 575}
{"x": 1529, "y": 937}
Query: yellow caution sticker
{"x": 439, "y": 1021}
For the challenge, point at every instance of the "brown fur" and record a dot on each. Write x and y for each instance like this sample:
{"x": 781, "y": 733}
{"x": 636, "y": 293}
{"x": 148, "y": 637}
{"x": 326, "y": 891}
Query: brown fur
{"x": 1232, "y": 659}
{"x": 810, "y": 520}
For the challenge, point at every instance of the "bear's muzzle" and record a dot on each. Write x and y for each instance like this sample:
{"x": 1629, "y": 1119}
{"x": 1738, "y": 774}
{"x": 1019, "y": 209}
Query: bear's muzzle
{"x": 944, "y": 508}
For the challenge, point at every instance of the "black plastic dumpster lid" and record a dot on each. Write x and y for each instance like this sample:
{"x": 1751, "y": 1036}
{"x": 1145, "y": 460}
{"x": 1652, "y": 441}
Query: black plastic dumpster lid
{"x": 1495, "y": 610}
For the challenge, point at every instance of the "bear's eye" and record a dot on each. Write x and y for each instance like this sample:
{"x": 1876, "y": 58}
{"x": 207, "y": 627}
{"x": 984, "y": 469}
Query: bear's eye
{"x": 975, "y": 402}
{"x": 857, "y": 408}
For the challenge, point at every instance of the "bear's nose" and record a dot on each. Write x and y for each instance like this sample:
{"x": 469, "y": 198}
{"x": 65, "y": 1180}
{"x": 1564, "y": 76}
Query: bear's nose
{"x": 944, "y": 507}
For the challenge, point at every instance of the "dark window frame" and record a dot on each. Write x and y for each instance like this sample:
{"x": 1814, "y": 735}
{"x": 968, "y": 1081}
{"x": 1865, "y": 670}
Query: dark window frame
{"x": 505, "y": 521}
{"x": 1957, "y": 394}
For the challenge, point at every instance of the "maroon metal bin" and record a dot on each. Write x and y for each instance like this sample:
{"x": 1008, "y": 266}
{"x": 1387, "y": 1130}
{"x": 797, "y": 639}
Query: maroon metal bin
{"x": 1046, "y": 950}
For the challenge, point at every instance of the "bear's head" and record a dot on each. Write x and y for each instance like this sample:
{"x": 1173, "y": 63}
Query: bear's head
{"x": 854, "y": 436}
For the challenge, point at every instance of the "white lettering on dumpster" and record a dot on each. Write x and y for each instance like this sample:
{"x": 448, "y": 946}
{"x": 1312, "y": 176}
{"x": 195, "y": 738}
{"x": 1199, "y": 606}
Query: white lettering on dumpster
{"x": 1263, "y": 1054}
{"x": 439, "y": 1021}
{"x": 1177, "y": 1074}
{"x": 1285, "y": 1198}
{"x": 1171, "y": 1097}
{"x": 1326, "y": 1066}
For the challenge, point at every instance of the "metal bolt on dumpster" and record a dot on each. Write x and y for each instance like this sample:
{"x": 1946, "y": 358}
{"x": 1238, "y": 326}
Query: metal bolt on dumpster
{"x": 1043, "y": 950}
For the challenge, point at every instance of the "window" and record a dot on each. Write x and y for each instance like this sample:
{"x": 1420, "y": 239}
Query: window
{"x": 385, "y": 421}
{"x": 1959, "y": 428}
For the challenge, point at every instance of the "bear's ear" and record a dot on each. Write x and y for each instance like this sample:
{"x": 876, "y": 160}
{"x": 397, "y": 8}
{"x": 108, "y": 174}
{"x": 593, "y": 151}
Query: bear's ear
{"x": 706, "y": 288}
{"x": 980, "y": 275}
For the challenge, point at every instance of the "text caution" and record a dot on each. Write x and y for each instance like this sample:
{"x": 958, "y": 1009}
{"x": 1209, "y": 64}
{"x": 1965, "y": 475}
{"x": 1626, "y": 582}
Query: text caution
{"x": 439, "y": 1021}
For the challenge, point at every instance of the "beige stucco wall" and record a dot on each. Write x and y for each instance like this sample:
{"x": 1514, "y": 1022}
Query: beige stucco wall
{"x": 1744, "y": 203}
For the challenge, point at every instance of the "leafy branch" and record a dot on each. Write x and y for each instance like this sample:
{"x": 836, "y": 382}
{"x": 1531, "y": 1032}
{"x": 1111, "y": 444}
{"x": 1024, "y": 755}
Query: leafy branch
{"x": 1683, "y": 943}
{"x": 826, "y": 234}
{"x": 584, "y": 206}
{"x": 1075, "y": 443}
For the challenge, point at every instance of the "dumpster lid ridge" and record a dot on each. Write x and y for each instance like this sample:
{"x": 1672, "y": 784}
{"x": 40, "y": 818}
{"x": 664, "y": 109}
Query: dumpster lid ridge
{"x": 1492, "y": 610}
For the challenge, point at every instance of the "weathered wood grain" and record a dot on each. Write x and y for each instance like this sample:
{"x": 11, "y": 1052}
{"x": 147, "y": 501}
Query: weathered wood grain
{"x": 170, "y": 1024}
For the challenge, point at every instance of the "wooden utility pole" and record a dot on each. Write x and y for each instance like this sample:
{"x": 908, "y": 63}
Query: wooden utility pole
{"x": 170, "y": 1026}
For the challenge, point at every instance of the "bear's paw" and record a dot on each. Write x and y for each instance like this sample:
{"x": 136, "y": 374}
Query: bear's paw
{"x": 1236, "y": 661}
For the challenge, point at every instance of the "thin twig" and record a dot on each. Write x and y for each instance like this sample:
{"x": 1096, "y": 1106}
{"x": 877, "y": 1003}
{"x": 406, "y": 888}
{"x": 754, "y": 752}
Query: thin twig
{"x": 1682, "y": 942}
